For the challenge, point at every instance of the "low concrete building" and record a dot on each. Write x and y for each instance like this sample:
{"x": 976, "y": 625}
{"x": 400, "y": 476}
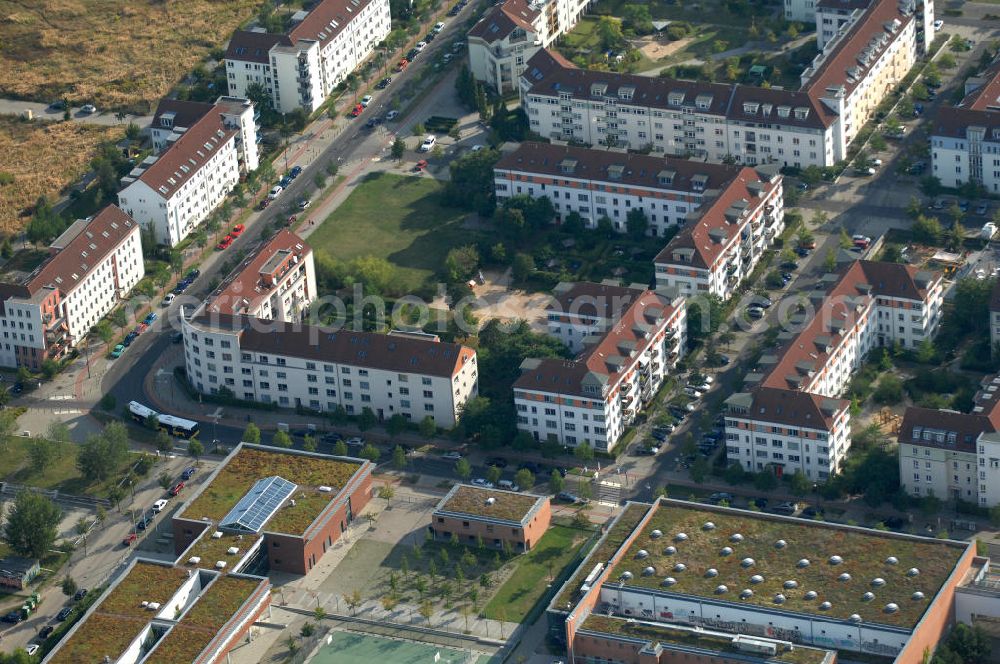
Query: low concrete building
{"x": 500, "y": 519}
{"x": 17, "y": 573}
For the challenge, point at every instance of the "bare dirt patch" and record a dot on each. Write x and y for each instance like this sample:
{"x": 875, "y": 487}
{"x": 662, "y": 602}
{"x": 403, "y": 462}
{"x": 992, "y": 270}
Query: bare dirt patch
{"x": 496, "y": 299}
{"x": 656, "y": 49}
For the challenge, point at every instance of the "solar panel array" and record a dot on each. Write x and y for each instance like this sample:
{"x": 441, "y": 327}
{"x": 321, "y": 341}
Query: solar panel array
{"x": 258, "y": 505}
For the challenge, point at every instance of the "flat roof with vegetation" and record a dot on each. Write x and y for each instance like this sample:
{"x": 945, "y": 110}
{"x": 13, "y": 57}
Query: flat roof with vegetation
{"x": 204, "y": 620}
{"x": 213, "y": 549}
{"x": 739, "y": 545}
{"x": 606, "y": 547}
{"x": 465, "y": 499}
{"x": 250, "y": 464}
{"x": 690, "y": 638}
{"x": 120, "y": 617}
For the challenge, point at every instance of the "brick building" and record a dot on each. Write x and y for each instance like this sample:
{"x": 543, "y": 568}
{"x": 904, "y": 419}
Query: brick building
{"x": 500, "y": 518}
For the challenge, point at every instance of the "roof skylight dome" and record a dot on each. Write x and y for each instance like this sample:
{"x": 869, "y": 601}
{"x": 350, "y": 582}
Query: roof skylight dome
{"x": 868, "y": 596}
{"x": 626, "y": 576}
{"x": 726, "y": 551}
{"x": 721, "y": 589}
{"x": 746, "y": 594}
{"x": 811, "y": 594}
{"x": 855, "y": 618}
{"x": 878, "y": 582}
{"x": 844, "y": 577}
{"x": 736, "y": 537}
{"x": 892, "y": 560}
{"x": 802, "y": 563}
{"x": 913, "y": 571}
{"x": 680, "y": 567}
{"x": 780, "y": 544}
{"x": 670, "y": 550}
{"x": 891, "y": 607}
{"x": 681, "y": 537}
{"x": 711, "y": 572}
{"x": 756, "y": 578}
{"x": 917, "y": 596}
{"x": 708, "y": 526}
{"x": 791, "y": 584}
{"x": 779, "y": 599}
{"x": 825, "y": 606}
{"x": 649, "y": 571}
{"x": 747, "y": 562}
{"x": 669, "y": 581}
{"x": 656, "y": 534}
{"x": 836, "y": 560}
{"x": 641, "y": 554}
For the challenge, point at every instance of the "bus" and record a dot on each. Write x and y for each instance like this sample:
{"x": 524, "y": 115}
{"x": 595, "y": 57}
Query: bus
{"x": 175, "y": 426}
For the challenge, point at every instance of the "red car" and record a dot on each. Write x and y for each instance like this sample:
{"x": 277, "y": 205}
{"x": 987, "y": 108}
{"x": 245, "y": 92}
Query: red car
{"x": 129, "y": 539}
{"x": 357, "y": 110}
{"x": 177, "y": 488}
{"x": 291, "y": 220}
{"x": 421, "y": 165}
{"x": 226, "y": 241}
{"x": 402, "y": 64}
{"x": 237, "y": 230}
{"x": 142, "y": 327}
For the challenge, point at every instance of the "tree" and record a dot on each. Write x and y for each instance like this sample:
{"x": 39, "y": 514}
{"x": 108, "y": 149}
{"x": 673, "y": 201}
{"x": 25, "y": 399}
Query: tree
{"x": 427, "y": 427}
{"x": 104, "y": 331}
{"x": 353, "y": 600}
{"x": 101, "y": 455}
{"x": 389, "y": 602}
{"x": 69, "y": 586}
{"x": 164, "y": 443}
{"x": 493, "y": 474}
{"x": 367, "y": 419}
{"x": 307, "y": 630}
{"x": 370, "y": 452}
{"x": 281, "y": 439}
{"x": 396, "y": 425}
{"x": 471, "y": 185}
{"x": 830, "y": 261}
{"x": 309, "y": 443}
{"x": 251, "y": 434}
{"x": 165, "y": 480}
{"x": 195, "y": 448}
{"x": 523, "y": 267}
{"x": 525, "y": 479}
{"x": 42, "y": 453}
{"x": 584, "y": 452}
{"x": 426, "y": 610}
{"x": 30, "y": 527}
{"x": 462, "y": 262}
{"x": 340, "y": 448}
{"x": 765, "y": 481}
{"x": 556, "y": 481}
{"x": 386, "y": 492}
{"x": 799, "y": 484}
{"x": 463, "y": 469}
{"x": 889, "y": 391}
{"x": 609, "y": 32}
{"x": 699, "y": 469}
{"x": 398, "y": 458}
{"x": 637, "y": 223}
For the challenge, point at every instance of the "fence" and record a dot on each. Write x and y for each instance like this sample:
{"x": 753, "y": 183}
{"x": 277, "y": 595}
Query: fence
{"x": 11, "y": 489}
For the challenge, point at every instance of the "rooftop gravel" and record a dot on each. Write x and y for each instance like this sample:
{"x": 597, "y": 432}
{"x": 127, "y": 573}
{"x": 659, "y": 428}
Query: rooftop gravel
{"x": 251, "y": 464}
{"x": 119, "y": 618}
{"x": 507, "y": 505}
{"x": 864, "y": 556}
{"x": 211, "y": 550}
{"x": 671, "y": 635}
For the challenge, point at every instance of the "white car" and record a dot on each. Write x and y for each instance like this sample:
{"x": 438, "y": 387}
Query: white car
{"x": 367, "y": 99}
{"x": 480, "y": 482}
{"x": 275, "y": 191}
{"x": 451, "y": 456}
{"x": 439, "y": 26}
{"x": 159, "y": 505}
{"x": 691, "y": 392}
{"x": 421, "y": 45}
{"x": 428, "y": 143}
{"x": 476, "y": 148}
{"x": 88, "y": 108}
{"x": 32, "y": 649}
{"x": 170, "y": 297}
{"x": 938, "y": 24}
{"x": 391, "y": 115}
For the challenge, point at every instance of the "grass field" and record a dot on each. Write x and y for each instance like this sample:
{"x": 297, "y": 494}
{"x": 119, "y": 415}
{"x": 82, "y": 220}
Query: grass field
{"x": 111, "y": 53}
{"x": 62, "y": 474}
{"x": 398, "y": 218}
{"x": 43, "y": 158}
{"x": 514, "y": 599}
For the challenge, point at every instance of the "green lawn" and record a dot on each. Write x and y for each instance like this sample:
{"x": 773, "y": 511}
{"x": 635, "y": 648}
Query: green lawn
{"x": 398, "y": 218}
{"x": 62, "y": 474}
{"x": 514, "y": 599}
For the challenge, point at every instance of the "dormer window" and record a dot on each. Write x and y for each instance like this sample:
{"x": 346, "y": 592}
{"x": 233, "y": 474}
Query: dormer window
{"x": 784, "y": 111}
{"x": 626, "y": 92}
{"x": 750, "y": 107}
{"x": 598, "y": 89}
{"x": 665, "y": 177}
{"x": 801, "y": 113}
{"x": 615, "y": 171}
{"x": 675, "y": 98}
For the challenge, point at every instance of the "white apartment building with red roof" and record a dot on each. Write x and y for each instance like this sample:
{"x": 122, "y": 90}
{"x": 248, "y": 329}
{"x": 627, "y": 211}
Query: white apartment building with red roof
{"x": 593, "y": 398}
{"x": 92, "y": 267}
{"x": 796, "y": 395}
{"x": 301, "y": 68}
{"x": 171, "y": 193}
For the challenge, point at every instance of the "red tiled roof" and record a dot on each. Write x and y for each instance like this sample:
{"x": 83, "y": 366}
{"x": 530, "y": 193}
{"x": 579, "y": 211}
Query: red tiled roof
{"x": 247, "y": 46}
{"x": 501, "y": 20}
{"x": 860, "y": 35}
{"x": 638, "y": 169}
{"x": 790, "y": 407}
{"x": 550, "y": 74}
{"x": 809, "y": 351}
{"x": 70, "y": 266}
{"x": 987, "y": 96}
{"x": 327, "y": 20}
{"x": 965, "y": 426}
{"x": 698, "y": 236}
{"x": 244, "y": 283}
{"x": 181, "y": 160}
{"x": 596, "y": 364}
{"x": 397, "y": 353}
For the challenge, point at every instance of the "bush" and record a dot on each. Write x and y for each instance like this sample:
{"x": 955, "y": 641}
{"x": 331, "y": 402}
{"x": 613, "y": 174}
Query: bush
{"x": 889, "y": 391}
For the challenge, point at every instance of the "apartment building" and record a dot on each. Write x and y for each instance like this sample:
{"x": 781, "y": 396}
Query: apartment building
{"x": 91, "y": 267}
{"x": 301, "y": 68}
{"x": 277, "y": 282}
{"x": 593, "y": 398}
{"x": 582, "y": 310}
{"x": 499, "y": 519}
{"x": 607, "y": 183}
{"x": 502, "y": 42}
{"x": 723, "y": 242}
{"x": 812, "y": 126}
{"x": 995, "y": 314}
{"x": 867, "y": 305}
{"x": 173, "y": 117}
{"x": 965, "y": 138}
{"x": 296, "y": 365}
{"x": 173, "y": 192}
{"x": 831, "y": 15}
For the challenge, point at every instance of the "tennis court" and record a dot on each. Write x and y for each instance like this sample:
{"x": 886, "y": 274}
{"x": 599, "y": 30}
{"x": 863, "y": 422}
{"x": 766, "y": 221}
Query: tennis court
{"x": 355, "y": 648}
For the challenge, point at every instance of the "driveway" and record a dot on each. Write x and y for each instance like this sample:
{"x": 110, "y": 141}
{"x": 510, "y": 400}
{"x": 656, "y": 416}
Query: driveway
{"x": 43, "y": 112}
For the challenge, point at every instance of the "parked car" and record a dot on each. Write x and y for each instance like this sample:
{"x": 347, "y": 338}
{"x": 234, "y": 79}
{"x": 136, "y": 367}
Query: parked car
{"x": 645, "y": 449}
{"x": 358, "y": 108}
{"x": 295, "y": 172}
{"x": 118, "y": 350}
{"x": 275, "y": 191}
{"x": 938, "y": 24}
{"x": 127, "y": 341}
{"x": 140, "y": 328}
{"x": 439, "y": 26}
{"x": 720, "y": 496}
{"x": 373, "y": 122}
{"x": 508, "y": 485}
{"x": 225, "y": 243}
{"x": 129, "y": 539}
{"x": 811, "y": 512}
{"x": 401, "y": 65}
{"x": 567, "y": 497}
{"x": 80, "y": 594}
{"x": 58, "y": 105}
{"x": 284, "y": 182}
{"x": 264, "y": 202}
{"x": 420, "y": 166}
{"x": 982, "y": 207}
{"x": 150, "y": 317}
{"x": 304, "y": 203}
{"x": 356, "y": 441}
{"x": 64, "y": 613}
{"x": 13, "y": 617}
{"x": 755, "y": 312}
{"x": 159, "y": 505}
{"x": 391, "y": 115}
{"x": 531, "y": 467}
{"x": 367, "y": 99}
{"x": 861, "y": 241}
{"x": 451, "y": 455}
{"x": 168, "y": 299}
{"x": 384, "y": 83}
{"x": 785, "y": 508}
{"x": 88, "y": 108}
{"x": 429, "y": 142}
{"x": 44, "y": 632}
{"x": 481, "y": 482}
{"x": 188, "y": 473}
{"x": 420, "y": 46}
{"x": 237, "y": 230}
{"x": 176, "y": 489}
{"x": 144, "y": 522}
{"x": 32, "y": 649}
{"x": 499, "y": 462}
{"x": 660, "y": 435}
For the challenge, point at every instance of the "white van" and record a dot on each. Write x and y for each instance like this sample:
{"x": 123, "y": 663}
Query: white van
{"x": 508, "y": 485}
{"x": 428, "y": 143}
{"x": 159, "y": 505}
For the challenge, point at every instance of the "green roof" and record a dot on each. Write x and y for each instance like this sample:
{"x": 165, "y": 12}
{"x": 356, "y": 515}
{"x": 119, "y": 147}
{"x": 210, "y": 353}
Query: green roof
{"x": 473, "y": 500}
{"x": 120, "y": 616}
{"x": 690, "y": 638}
{"x": 250, "y": 464}
{"x": 864, "y": 556}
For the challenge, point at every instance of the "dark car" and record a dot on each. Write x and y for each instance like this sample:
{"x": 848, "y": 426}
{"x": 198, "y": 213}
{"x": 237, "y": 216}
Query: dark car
{"x": 789, "y": 265}
{"x": 660, "y": 435}
{"x": 785, "y": 508}
{"x": 80, "y": 594}
{"x": 499, "y": 462}
{"x": 145, "y": 521}
{"x": 719, "y": 496}
{"x": 412, "y": 54}
{"x": 188, "y": 473}
{"x": 59, "y": 105}
{"x": 895, "y": 523}
{"x": 567, "y": 497}
{"x": 811, "y": 512}
{"x": 802, "y": 251}
{"x": 381, "y": 85}
{"x": 127, "y": 341}
{"x": 177, "y": 337}
{"x": 678, "y": 412}
{"x": 18, "y": 388}
{"x": 13, "y": 617}
{"x": 761, "y": 503}
{"x": 530, "y": 466}
{"x": 373, "y": 122}
{"x": 64, "y": 613}
{"x": 295, "y": 172}
{"x": 644, "y": 449}
{"x": 44, "y": 632}
{"x": 193, "y": 273}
